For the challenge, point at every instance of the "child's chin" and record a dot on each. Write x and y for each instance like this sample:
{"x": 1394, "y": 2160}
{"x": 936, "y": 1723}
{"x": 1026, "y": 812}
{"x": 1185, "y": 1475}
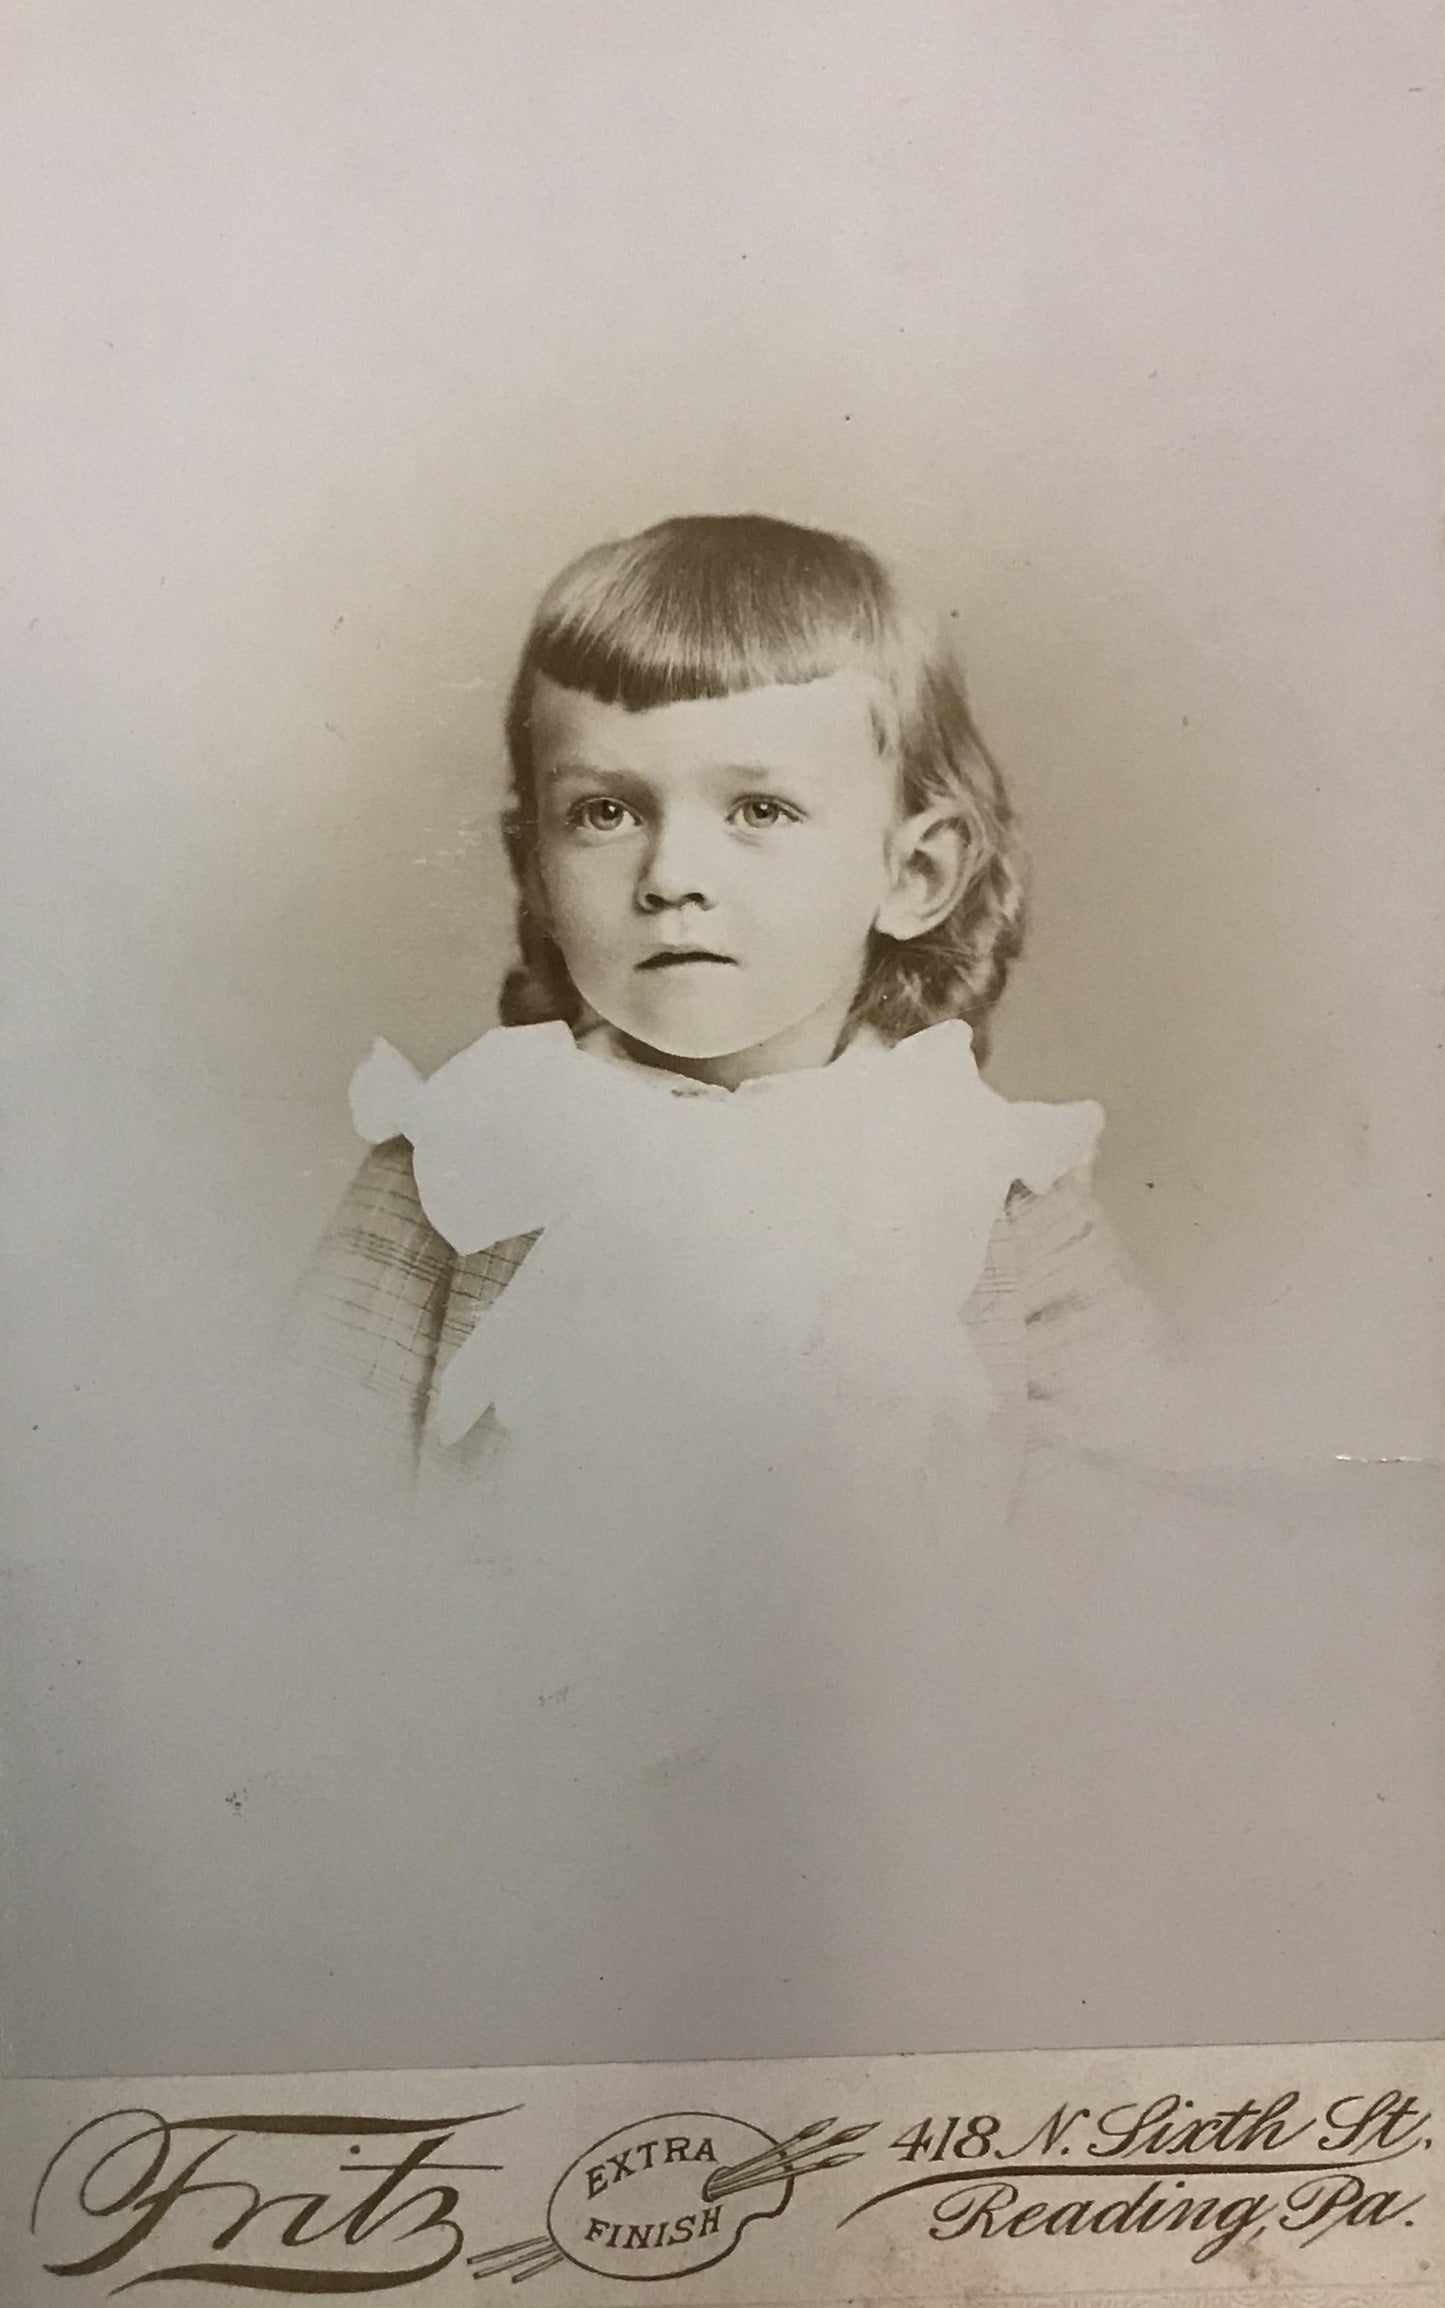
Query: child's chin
{"x": 697, "y": 1046}
{"x": 689, "y": 1044}
{"x": 677, "y": 1034}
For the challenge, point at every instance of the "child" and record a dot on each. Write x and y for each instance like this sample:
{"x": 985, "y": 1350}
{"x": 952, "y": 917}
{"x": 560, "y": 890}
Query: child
{"x": 714, "y": 1289}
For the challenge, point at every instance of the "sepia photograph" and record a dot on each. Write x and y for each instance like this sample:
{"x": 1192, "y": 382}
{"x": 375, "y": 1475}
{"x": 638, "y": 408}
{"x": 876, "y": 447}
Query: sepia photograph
{"x": 723, "y": 1031}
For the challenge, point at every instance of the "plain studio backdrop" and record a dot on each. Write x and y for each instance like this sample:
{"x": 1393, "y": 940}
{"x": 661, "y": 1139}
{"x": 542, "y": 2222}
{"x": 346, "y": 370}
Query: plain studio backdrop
{"x": 334, "y": 332}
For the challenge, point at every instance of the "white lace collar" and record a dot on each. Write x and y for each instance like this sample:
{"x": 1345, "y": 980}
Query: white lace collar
{"x": 821, "y": 1228}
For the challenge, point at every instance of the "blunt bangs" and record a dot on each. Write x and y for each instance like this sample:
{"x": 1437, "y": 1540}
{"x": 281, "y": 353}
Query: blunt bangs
{"x": 707, "y": 605}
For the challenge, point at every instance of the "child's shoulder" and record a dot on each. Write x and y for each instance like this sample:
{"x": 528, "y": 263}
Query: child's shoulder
{"x": 379, "y": 1230}
{"x": 380, "y": 1227}
{"x": 1100, "y": 1368}
{"x": 1064, "y": 1254}
{"x": 1051, "y": 1224}
{"x": 385, "y": 1294}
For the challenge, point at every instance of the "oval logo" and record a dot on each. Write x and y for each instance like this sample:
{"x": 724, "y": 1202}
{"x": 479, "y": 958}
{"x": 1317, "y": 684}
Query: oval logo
{"x": 667, "y": 2196}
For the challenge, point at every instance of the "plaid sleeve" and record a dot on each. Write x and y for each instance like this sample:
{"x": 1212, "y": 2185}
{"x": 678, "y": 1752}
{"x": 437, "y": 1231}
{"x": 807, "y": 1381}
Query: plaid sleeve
{"x": 1099, "y": 1371}
{"x": 362, "y": 1332}
{"x": 384, "y": 1303}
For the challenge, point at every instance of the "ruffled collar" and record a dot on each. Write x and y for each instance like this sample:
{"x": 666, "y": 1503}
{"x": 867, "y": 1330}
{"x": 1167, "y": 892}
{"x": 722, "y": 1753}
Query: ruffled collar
{"x": 595, "y": 1038}
{"x": 815, "y": 1232}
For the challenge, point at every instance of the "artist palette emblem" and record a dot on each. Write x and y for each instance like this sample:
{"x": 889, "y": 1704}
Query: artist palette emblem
{"x": 670, "y": 2195}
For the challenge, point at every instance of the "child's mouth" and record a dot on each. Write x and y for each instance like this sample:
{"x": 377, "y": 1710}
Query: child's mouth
{"x": 676, "y": 958}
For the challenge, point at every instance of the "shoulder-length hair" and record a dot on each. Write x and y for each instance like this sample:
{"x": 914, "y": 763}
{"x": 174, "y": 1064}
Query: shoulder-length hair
{"x": 709, "y": 604}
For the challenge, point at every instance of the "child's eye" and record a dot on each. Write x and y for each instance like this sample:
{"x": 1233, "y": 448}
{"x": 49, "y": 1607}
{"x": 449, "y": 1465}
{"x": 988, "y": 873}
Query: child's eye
{"x": 761, "y": 810}
{"x": 599, "y": 814}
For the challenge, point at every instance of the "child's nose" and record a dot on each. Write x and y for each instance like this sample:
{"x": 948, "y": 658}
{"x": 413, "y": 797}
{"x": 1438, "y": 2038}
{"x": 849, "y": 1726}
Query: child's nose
{"x": 680, "y": 865}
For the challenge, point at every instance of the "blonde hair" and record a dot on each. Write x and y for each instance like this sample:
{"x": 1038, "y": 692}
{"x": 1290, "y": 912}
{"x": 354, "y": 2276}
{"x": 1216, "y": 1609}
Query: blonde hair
{"x": 709, "y": 604}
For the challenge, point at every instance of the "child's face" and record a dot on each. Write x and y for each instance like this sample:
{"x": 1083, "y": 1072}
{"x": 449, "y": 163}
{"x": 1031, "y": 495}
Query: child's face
{"x": 713, "y": 868}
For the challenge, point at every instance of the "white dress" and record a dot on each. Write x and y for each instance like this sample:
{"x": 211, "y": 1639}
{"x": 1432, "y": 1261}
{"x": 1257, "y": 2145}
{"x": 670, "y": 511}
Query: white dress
{"x": 749, "y": 1477}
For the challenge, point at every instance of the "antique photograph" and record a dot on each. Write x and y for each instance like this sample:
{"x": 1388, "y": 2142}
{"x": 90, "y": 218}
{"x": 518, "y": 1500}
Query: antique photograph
{"x": 723, "y": 1022}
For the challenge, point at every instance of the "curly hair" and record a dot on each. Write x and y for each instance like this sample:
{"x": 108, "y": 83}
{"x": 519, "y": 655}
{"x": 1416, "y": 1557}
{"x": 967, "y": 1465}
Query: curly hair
{"x": 709, "y": 604}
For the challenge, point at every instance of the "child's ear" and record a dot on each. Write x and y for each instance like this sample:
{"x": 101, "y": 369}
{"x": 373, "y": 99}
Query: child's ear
{"x": 928, "y": 870}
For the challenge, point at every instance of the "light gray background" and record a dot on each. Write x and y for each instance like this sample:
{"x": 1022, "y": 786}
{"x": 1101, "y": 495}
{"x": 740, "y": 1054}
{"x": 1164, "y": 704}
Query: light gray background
{"x": 334, "y": 331}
